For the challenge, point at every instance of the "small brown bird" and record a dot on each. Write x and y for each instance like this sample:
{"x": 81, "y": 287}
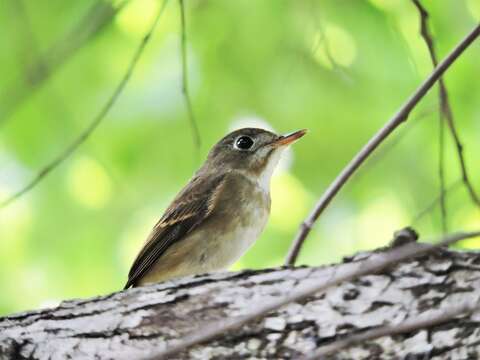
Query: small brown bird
{"x": 219, "y": 214}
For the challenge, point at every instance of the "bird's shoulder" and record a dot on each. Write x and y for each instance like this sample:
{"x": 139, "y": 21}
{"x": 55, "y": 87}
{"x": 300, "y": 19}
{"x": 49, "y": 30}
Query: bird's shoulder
{"x": 197, "y": 198}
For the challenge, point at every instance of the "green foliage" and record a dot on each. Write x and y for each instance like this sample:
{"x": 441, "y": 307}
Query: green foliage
{"x": 338, "y": 68}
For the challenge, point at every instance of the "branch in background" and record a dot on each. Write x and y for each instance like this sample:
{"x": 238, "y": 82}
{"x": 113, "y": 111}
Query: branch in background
{"x": 348, "y": 272}
{"x": 429, "y": 208}
{"x": 444, "y": 110}
{"x": 185, "y": 92}
{"x": 29, "y": 49}
{"x": 322, "y": 38}
{"x": 24, "y": 36}
{"x": 410, "y": 325}
{"x": 96, "y": 19}
{"x": 96, "y": 120}
{"x": 441, "y": 173}
{"x": 402, "y": 133}
{"x": 445, "y": 107}
{"x": 374, "y": 142}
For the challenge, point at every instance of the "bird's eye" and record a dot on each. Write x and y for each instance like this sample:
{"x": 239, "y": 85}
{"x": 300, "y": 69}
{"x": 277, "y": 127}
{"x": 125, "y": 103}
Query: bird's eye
{"x": 244, "y": 143}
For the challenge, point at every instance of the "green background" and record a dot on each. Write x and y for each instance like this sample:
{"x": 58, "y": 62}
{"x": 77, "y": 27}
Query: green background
{"x": 339, "y": 68}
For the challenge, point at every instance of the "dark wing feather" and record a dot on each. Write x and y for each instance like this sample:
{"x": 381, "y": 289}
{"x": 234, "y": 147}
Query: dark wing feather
{"x": 193, "y": 205}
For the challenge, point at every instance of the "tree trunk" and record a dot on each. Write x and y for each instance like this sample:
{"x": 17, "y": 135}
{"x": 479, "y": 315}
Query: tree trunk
{"x": 140, "y": 322}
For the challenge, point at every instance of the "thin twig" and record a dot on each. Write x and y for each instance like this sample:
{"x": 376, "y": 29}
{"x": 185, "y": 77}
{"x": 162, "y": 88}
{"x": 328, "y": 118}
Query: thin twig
{"x": 374, "y": 142}
{"x": 412, "y": 324}
{"x": 441, "y": 173}
{"x": 96, "y": 120}
{"x": 402, "y": 133}
{"x": 445, "y": 107}
{"x": 25, "y": 33}
{"x": 322, "y": 38}
{"x": 185, "y": 91}
{"x": 347, "y": 272}
{"x": 99, "y": 15}
{"x": 30, "y": 49}
{"x": 429, "y": 208}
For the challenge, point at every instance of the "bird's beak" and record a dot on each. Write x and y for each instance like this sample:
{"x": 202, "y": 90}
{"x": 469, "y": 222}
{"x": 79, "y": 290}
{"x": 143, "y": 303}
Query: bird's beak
{"x": 289, "y": 138}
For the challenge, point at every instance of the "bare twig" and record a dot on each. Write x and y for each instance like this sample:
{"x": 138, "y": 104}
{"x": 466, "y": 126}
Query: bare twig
{"x": 445, "y": 107}
{"x": 95, "y": 20}
{"x": 374, "y": 142}
{"x": 402, "y": 133}
{"x": 444, "y": 110}
{"x": 347, "y": 272}
{"x": 435, "y": 201}
{"x": 409, "y": 325}
{"x": 28, "y": 49}
{"x": 185, "y": 92}
{"x": 322, "y": 38}
{"x": 96, "y": 120}
{"x": 441, "y": 174}
{"x": 25, "y": 32}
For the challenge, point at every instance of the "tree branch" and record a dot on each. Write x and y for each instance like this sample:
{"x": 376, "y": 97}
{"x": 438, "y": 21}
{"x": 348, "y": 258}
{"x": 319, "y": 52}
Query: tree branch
{"x": 443, "y": 106}
{"x": 402, "y": 133}
{"x": 410, "y": 325}
{"x": 37, "y": 73}
{"x": 185, "y": 91}
{"x": 445, "y": 109}
{"x": 142, "y": 321}
{"x": 70, "y": 149}
{"x": 374, "y": 142}
{"x": 434, "y": 202}
{"x": 374, "y": 264}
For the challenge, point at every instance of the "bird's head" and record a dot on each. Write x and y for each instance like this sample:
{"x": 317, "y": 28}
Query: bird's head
{"x": 250, "y": 150}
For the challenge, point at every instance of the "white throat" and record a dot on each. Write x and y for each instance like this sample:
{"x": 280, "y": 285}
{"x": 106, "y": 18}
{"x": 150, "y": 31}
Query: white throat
{"x": 266, "y": 174}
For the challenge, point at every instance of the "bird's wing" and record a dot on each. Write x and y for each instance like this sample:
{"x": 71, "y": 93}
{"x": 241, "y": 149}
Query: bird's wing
{"x": 190, "y": 208}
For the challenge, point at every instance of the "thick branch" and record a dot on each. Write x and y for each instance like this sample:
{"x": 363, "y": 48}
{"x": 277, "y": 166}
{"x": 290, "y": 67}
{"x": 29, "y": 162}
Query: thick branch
{"x": 437, "y": 317}
{"x": 376, "y": 263}
{"x": 138, "y": 322}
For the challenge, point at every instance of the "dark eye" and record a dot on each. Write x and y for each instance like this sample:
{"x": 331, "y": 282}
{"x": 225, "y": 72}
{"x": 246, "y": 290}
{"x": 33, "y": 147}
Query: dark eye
{"x": 244, "y": 143}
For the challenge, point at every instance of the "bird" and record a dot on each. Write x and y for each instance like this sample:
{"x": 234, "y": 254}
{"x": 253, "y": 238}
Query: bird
{"x": 219, "y": 214}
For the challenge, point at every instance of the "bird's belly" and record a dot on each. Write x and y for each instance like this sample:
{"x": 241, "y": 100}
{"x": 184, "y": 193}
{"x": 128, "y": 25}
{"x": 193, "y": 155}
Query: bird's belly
{"x": 228, "y": 246}
{"x": 208, "y": 250}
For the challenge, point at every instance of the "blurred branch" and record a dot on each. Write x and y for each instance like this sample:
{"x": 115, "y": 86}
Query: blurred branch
{"x": 185, "y": 91}
{"x": 446, "y": 110}
{"x": 29, "y": 49}
{"x": 436, "y": 317}
{"x": 320, "y": 39}
{"x": 374, "y": 264}
{"x": 441, "y": 173}
{"x": 100, "y": 14}
{"x": 429, "y": 208}
{"x": 25, "y": 35}
{"x": 374, "y": 142}
{"x": 96, "y": 120}
{"x": 401, "y": 134}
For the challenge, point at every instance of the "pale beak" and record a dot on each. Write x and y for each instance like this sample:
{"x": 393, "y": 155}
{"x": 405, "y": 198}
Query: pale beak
{"x": 289, "y": 138}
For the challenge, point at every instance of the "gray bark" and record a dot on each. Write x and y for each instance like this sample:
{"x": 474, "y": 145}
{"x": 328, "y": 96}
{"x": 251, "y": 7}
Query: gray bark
{"x": 139, "y": 322}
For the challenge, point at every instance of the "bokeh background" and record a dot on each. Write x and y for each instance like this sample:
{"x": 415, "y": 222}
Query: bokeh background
{"x": 338, "y": 68}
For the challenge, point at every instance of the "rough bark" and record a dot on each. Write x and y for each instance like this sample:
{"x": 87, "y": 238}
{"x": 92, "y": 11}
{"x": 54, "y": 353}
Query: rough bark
{"x": 139, "y": 322}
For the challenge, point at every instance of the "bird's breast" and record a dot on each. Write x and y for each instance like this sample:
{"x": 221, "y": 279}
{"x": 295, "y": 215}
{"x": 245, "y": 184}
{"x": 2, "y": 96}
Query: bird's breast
{"x": 240, "y": 222}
